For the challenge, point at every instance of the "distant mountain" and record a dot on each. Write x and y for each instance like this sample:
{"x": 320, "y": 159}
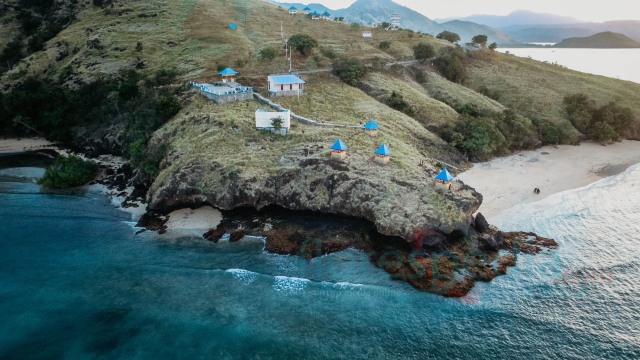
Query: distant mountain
{"x": 376, "y": 11}
{"x": 314, "y": 7}
{"x": 468, "y": 30}
{"x": 603, "y": 40}
{"x": 556, "y": 33}
{"x": 519, "y": 17}
{"x": 371, "y": 12}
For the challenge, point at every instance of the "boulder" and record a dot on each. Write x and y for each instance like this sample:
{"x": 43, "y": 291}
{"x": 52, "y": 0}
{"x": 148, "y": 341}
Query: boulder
{"x": 481, "y": 225}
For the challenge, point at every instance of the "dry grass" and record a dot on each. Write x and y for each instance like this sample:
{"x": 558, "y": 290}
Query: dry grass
{"x": 536, "y": 89}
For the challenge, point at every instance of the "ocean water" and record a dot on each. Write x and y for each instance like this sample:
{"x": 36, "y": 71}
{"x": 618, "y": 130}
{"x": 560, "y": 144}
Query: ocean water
{"x": 76, "y": 283}
{"x": 616, "y": 63}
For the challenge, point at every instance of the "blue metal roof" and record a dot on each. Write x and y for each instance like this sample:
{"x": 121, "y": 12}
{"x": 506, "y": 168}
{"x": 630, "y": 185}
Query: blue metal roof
{"x": 292, "y": 8}
{"x": 383, "y": 150}
{"x": 286, "y": 79}
{"x": 307, "y": 9}
{"x": 326, "y": 13}
{"x": 314, "y": 12}
{"x": 444, "y": 175}
{"x": 233, "y": 26}
{"x": 228, "y": 71}
{"x": 371, "y": 125}
{"x": 339, "y": 145}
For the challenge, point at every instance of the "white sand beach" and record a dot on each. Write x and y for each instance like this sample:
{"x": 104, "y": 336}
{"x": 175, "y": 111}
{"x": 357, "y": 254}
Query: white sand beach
{"x": 8, "y": 146}
{"x": 509, "y": 181}
{"x": 193, "y": 222}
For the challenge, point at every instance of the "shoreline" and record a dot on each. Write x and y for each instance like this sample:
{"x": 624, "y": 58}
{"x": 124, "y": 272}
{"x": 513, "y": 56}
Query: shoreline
{"x": 509, "y": 181}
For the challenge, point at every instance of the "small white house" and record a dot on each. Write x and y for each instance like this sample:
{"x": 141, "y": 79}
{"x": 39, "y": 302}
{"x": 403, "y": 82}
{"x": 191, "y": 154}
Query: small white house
{"x": 285, "y": 85}
{"x": 367, "y": 34}
{"x": 306, "y": 10}
{"x": 264, "y": 121}
{"x": 293, "y": 10}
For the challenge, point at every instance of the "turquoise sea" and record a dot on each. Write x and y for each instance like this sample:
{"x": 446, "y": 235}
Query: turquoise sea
{"x": 77, "y": 283}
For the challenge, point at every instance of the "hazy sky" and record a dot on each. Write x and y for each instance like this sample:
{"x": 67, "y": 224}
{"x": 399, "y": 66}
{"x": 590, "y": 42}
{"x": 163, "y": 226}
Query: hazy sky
{"x": 588, "y": 10}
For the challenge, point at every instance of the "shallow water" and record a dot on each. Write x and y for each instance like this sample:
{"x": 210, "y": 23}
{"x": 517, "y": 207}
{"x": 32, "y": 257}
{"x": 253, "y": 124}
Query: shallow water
{"x": 75, "y": 282}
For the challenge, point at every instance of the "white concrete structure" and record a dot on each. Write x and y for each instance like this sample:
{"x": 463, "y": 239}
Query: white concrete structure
{"x": 367, "y": 34}
{"x": 264, "y": 120}
{"x": 285, "y": 85}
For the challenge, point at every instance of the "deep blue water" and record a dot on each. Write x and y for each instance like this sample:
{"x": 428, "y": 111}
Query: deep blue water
{"x": 76, "y": 283}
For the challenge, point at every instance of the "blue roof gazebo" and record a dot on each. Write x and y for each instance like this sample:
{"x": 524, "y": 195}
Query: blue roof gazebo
{"x": 383, "y": 150}
{"x": 443, "y": 180}
{"x": 382, "y": 154}
{"x": 371, "y": 127}
{"x": 326, "y": 14}
{"x": 228, "y": 74}
{"x": 444, "y": 175}
{"x": 339, "y": 149}
{"x": 233, "y": 26}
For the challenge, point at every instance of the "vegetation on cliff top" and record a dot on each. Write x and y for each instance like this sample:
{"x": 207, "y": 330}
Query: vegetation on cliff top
{"x": 68, "y": 171}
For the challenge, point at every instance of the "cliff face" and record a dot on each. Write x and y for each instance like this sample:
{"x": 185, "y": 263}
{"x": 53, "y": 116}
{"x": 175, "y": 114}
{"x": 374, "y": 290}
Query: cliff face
{"x": 355, "y": 187}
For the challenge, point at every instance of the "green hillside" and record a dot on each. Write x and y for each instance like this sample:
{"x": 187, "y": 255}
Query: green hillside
{"x": 191, "y": 40}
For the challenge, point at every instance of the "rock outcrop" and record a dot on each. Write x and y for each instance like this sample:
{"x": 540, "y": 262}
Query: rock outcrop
{"x": 398, "y": 207}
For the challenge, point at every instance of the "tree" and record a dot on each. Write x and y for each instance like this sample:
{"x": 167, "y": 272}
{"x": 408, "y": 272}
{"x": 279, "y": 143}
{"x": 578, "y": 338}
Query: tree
{"x": 355, "y": 25}
{"x": 277, "y": 123}
{"x": 304, "y": 44}
{"x": 423, "y": 52}
{"x": 384, "y": 25}
{"x": 480, "y": 40}
{"x": 349, "y": 70}
{"x": 449, "y": 36}
{"x": 493, "y": 46}
{"x": 384, "y": 45}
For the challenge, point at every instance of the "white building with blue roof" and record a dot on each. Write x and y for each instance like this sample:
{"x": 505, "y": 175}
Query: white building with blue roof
{"x": 285, "y": 85}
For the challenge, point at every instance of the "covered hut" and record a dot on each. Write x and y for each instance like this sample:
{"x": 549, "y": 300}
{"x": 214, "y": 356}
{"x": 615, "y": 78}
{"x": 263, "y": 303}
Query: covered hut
{"x": 293, "y": 10}
{"x": 339, "y": 150}
{"x": 382, "y": 154}
{"x": 306, "y": 10}
{"x": 228, "y": 75}
{"x": 371, "y": 128}
{"x": 326, "y": 15}
{"x": 443, "y": 179}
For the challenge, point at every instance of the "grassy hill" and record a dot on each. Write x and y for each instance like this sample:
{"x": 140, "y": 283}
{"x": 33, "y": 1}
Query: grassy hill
{"x": 192, "y": 39}
{"x": 603, "y": 40}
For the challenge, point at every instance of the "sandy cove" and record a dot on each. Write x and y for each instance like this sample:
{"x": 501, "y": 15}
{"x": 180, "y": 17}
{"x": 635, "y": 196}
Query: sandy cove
{"x": 509, "y": 181}
{"x": 11, "y": 146}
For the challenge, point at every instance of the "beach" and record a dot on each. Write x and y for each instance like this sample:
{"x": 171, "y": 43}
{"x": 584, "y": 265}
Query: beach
{"x": 509, "y": 181}
{"x": 9, "y": 146}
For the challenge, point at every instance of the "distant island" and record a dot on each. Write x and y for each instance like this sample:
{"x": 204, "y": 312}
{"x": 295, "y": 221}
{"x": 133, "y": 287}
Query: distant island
{"x": 603, "y": 40}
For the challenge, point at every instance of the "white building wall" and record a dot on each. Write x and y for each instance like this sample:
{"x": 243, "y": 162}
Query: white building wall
{"x": 263, "y": 120}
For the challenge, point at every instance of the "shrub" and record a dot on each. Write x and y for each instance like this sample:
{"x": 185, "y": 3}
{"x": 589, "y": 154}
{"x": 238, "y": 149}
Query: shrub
{"x": 396, "y": 101}
{"x": 304, "y": 44}
{"x": 268, "y": 54}
{"x": 68, "y": 171}
{"x": 328, "y": 53}
{"x": 423, "y": 52}
{"x": 385, "y": 45}
{"x": 349, "y": 70}
{"x": 451, "y": 65}
{"x": 420, "y": 75}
